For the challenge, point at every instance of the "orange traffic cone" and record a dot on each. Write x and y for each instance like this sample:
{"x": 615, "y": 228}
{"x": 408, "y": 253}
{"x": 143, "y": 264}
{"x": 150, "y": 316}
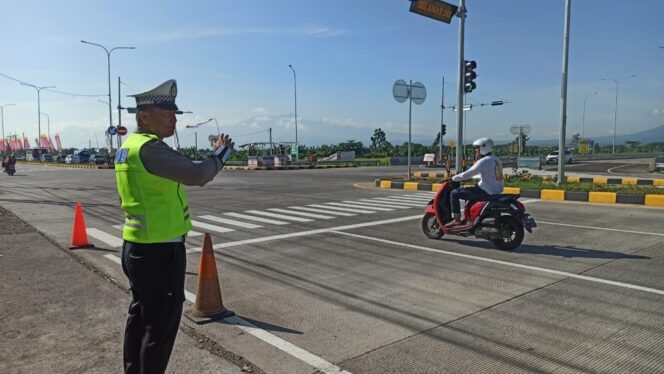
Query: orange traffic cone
{"x": 209, "y": 305}
{"x": 79, "y": 234}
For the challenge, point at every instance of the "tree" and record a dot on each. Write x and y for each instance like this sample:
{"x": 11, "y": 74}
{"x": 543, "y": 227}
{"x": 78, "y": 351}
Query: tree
{"x": 524, "y": 139}
{"x": 351, "y": 145}
{"x": 379, "y": 143}
{"x": 436, "y": 141}
{"x": 574, "y": 143}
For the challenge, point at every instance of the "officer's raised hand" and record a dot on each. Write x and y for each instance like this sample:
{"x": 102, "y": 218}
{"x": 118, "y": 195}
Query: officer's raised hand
{"x": 224, "y": 146}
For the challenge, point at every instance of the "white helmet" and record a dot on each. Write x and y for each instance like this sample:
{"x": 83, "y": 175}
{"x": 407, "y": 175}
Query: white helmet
{"x": 485, "y": 144}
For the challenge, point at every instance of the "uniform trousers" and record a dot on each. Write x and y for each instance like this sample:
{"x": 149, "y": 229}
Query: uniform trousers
{"x": 156, "y": 278}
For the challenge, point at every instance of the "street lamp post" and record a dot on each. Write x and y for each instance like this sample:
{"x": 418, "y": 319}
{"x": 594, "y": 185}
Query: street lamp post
{"x": 48, "y": 121}
{"x": 615, "y": 113}
{"x": 295, "y": 82}
{"x": 108, "y": 55}
{"x": 38, "y": 89}
{"x": 583, "y": 123}
{"x": 2, "y": 114}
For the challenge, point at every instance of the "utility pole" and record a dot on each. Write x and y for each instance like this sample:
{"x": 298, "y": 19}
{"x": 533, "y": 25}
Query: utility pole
{"x": 2, "y": 114}
{"x": 271, "y": 147}
{"x": 119, "y": 115}
{"x": 196, "y": 145}
{"x": 461, "y": 13}
{"x": 108, "y": 59}
{"x": 563, "y": 97}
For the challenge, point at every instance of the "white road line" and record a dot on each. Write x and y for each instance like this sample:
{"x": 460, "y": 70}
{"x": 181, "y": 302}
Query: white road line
{"x": 390, "y": 203}
{"x": 360, "y": 204}
{"x": 257, "y": 219}
{"x": 303, "y": 214}
{"x": 114, "y": 258}
{"x": 301, "y": 354}
{"x": 616, "y": 167}
{"x": 511, "y": 264}
{"x": 112, "y": 241}
{"x": 231, "y": 222}
{"x": 361, "y": 207}
{"x": 281, "y": 216}
{"x": 314, "y": 232}
{"x": 602, "y": 228}
{"x": 341, "y": 209}
{"x": 326, "y": 211}
{"x": 190, "y": 233}
{"x": 317, "y": 362}
{"x": 207, "y": 226}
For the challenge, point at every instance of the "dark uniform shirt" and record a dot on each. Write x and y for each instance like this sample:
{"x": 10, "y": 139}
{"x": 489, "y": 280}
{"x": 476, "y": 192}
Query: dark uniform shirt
{"x": 162, "y": 160}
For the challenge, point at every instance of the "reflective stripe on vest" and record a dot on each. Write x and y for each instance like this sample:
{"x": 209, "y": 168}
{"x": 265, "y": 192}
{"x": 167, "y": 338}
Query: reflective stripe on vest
{"x": 156, "y": 208}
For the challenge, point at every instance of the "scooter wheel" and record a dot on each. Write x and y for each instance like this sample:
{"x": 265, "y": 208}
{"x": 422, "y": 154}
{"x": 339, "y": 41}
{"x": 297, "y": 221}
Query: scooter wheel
{"x": 430, "y": 227}
{"x": 512, "y": 233}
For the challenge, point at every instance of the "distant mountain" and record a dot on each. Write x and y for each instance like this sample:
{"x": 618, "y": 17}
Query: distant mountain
{"x": 648, "y": 136}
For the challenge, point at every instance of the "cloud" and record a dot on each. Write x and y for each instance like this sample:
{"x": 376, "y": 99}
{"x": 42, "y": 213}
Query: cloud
{"x": 313, "y": 31}
{"x": 658, "y": 112}
{"x": 259, "y": 110}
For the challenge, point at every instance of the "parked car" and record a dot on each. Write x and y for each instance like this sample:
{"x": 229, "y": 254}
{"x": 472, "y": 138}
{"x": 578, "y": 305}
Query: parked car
{"x": 60, "y": 157}
{"x": 81, "y": 158}
{"x": 69, "y": 159}
{"x": 47, "y": 157}
{"x": 97, "y": 159}
{"x": 553, "y": 157}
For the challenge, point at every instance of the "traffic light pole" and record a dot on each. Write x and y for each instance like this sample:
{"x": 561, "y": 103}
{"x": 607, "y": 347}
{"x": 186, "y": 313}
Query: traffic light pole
{"x": 461, "y": 13}
{"x": 442, "y": 125}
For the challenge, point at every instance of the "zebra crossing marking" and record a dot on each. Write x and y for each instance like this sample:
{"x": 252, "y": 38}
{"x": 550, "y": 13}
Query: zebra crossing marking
{"x": 341, "y": 209}
{"x": 257, "y": 219}
{"x": 281, "y": 216}
{"x": 311, "y": 215}
{"x": 326, "y": 211}
{"x": 112, "y": 241}
{"x": 231, "y": 222}
{"x": 207, "y": 226}
{"x": 356, "y": 206}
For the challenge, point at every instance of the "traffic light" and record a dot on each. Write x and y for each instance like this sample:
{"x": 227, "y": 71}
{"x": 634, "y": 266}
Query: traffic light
{"x": 469, "y": 76}
{"x": 444, "y": 129}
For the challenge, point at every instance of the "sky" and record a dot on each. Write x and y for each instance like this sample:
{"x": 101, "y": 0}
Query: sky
{"x": 230, "y": 59}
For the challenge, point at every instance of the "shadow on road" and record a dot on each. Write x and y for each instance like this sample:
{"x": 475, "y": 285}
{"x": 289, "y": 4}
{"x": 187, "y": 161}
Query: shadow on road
{"x": 265, "y": 326}
{"x": 566, "y": 252}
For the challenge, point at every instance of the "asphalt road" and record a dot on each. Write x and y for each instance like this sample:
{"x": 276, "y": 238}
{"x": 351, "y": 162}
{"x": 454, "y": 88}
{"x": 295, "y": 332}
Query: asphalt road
{"x": 363, "y": 290}
{"x": 637, "y": 168}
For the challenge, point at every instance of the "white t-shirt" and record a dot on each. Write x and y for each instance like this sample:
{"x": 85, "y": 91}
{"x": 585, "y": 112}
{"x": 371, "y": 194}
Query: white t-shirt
{"x": 489, "y": 170}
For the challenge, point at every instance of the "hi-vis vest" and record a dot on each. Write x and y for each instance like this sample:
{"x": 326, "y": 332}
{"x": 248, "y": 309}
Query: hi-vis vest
{"x": 156, "y": 208}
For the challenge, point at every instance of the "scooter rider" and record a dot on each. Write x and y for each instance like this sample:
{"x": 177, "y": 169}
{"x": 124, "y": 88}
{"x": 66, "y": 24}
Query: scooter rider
{"x": 488, "y": 169}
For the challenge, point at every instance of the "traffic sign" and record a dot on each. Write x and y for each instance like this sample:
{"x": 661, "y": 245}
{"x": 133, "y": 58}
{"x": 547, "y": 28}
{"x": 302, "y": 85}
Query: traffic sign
{"x": 400, "y": 90}
{"x": 112, "y": 130}
{"x": 122, "y": 130}
{"x": 436, "y": 9}
{"x": 418, "y": 93}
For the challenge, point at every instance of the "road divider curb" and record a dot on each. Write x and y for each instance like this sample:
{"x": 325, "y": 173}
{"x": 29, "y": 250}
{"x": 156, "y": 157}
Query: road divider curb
{"x": 67, "y": 166}
{"x": 544, "y": 194}
{"x": 571, "y": 179}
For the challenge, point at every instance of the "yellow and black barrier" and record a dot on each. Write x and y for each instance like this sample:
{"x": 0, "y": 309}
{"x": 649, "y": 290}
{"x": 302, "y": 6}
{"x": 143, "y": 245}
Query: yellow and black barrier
{"x": 544, "y": 194}
{"x": 570, "y": 179}
{"x": 68, "y": 166}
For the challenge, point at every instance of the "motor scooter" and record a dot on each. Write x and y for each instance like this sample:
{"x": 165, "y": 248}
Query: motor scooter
{"x": 10, "y": 169}
{"x": 500, "y": 219}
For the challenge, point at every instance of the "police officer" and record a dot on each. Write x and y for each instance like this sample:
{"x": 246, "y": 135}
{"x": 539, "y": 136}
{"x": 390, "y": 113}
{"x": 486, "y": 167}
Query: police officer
{"x": 149, "y": 177}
